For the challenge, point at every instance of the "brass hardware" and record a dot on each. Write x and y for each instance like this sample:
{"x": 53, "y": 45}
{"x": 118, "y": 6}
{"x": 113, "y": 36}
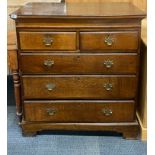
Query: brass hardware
{"x": 50, "y": 111}
{"x": 50, "y": 86}
{"x": 107, "y": 112}
{"x": 108, "y": 86}
{"x": 109, "y": 40}
{"x": 48, "y": 63}
{"x": 47, "y": 40}
{"x": 108, "y": 63}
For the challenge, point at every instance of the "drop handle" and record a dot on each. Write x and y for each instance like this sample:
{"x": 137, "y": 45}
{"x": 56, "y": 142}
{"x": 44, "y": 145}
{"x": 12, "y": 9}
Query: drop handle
{"x": 108, "y": 63}
{"x": 108, "y": 86}
{"x": 50, "y": 86}
{"x": 106, "y": 111}
{"x": 51, "y": 111}
{"x": 109, "y": 40}
{"x": 48, "y": 63}
{"x": 48, "y": 41}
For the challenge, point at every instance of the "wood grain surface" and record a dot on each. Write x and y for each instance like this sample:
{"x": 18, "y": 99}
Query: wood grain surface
{"x": 79, "y": 87}
{"x": 79, "y": 111}
{"x": 35, "y": 40}
{"x": 38, "y": 10}
{"x": 121, "y": 40}
{"x": 72, "y": 63}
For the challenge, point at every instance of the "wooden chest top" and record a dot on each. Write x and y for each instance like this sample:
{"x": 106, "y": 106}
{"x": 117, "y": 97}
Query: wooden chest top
{"x": 78, "y": 10}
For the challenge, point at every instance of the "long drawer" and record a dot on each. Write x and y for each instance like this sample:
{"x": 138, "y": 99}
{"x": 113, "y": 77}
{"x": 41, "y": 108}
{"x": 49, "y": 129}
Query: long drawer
{"x": 114, "y": 40}
{"x": 47, "y": 41}
{"x": 79, "y": 87}
{"x": 78, "y": 63}
{"x": 79, "y": 111}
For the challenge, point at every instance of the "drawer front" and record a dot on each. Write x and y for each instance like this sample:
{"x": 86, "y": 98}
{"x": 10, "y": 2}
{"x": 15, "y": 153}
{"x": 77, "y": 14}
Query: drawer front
{"x": 109, "y": 40}
{"x": 47, "y": 40}
{"x": 79, "y": 87}
{"x": 79, "y": 63}
{"x": 79, "y": 111}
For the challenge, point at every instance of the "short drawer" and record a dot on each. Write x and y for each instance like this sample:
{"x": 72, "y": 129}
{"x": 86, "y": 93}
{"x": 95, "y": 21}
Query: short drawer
{"x": 79, "y": 87}
{"x": 78, "y": 63}
{"x": 79, "y": 111}
{"x": 47, "y": 40}
{"x": 125, "y": 40}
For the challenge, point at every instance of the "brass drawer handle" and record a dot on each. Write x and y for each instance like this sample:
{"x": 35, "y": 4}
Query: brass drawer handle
{"x": 108, "y": 63}
{"x": 108, "y": 40}
{"x": 51, "y": 111}
{"x": 107, "y": 112}
{"x": 50, "y": 86}
{"x": 48, "y": 63}
{"x": 108, "y": 86}
{"x": 47, "y": 40}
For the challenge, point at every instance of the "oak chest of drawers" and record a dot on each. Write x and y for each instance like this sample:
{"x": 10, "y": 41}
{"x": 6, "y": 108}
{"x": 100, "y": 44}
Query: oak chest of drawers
{"x": 78, "y": 67}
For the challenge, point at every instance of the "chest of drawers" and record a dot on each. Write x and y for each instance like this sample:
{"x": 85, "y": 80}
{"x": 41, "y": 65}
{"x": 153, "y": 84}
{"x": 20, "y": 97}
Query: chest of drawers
{"x": 78, "y": 67}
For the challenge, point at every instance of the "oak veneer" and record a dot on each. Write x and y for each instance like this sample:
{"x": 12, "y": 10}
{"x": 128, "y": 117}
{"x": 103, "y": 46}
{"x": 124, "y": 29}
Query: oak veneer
{"x": 79, "y": 87}
{"x": 72, "y": 63}
{"x": 68, "y": 111}
{"x": 59, "y": 40}
{"x": 96, "y": 40}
